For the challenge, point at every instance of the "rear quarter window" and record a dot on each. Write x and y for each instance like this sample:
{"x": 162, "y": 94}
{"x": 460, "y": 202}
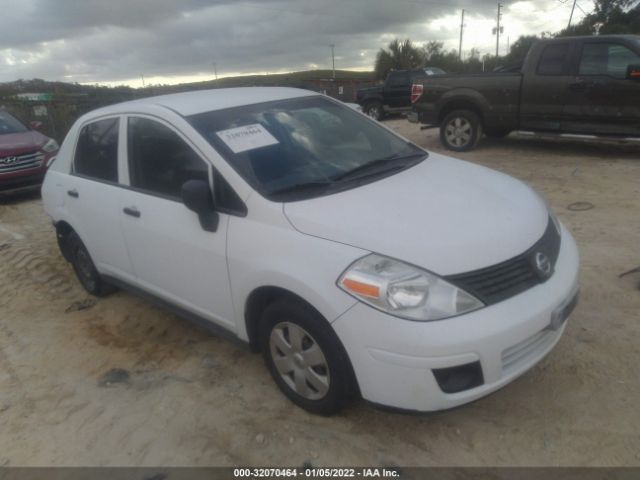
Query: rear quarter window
{"x": 96, "y": 154}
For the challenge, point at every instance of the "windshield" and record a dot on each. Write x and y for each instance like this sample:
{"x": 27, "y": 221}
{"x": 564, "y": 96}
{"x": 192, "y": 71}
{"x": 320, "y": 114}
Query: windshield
{"x": 9, "y": 124}
{"x": 304, "y": 147}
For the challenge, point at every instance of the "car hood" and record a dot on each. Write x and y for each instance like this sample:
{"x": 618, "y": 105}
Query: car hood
{"x": 445, "y": 215}
{"x": 15, "y": 143}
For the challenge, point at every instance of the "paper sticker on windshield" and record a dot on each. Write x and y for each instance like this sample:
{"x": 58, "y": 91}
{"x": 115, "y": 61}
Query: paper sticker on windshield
{"x": 248, "y": 137}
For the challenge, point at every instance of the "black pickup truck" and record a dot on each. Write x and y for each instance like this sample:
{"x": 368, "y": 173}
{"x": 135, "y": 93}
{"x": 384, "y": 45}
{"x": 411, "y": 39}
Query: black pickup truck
{"x": 571, "y": 85}
{"x": 394, "y": 96}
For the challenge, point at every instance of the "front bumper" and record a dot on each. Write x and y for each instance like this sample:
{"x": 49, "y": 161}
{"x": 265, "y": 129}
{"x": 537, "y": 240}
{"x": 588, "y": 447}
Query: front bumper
{"x": 394, "y": 359}
{"x": 27, "y": 180}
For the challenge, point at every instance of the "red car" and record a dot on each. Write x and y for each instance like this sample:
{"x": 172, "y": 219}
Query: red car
{"x": 25, "y": 154}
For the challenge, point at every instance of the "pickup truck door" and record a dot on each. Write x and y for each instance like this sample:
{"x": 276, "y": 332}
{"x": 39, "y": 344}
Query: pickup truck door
{"x": 601, "y": 100}
{"x": 544, "y": 87}
{"x": 397, "y": 90}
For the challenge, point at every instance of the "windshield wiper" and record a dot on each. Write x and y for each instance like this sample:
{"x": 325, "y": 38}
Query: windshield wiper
{"x": 302, "y": 187}
{"x": 374, "y": 167}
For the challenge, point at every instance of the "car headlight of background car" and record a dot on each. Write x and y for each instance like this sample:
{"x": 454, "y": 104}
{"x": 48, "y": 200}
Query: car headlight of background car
{"x": 405, "y": 291}
{"x": 50, "y": 146}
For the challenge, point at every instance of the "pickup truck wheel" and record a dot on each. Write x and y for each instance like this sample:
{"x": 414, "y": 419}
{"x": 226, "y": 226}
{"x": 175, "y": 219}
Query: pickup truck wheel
{"x": 85, "y": 269}
{"x": 460, "y": 130}
{"x": 374, "y": 110}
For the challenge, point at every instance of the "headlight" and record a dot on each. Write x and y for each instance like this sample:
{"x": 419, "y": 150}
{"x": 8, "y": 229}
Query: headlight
{"x": 50, "y": 146}
{"x": 404, "y": 290}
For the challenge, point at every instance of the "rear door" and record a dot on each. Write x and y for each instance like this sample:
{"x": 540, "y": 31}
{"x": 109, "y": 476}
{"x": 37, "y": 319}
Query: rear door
{"x": 92, "y": 194}
{"x": 601, "y": 100}
{"x": 173, "y": 257}
{"x": 544, "y": 88}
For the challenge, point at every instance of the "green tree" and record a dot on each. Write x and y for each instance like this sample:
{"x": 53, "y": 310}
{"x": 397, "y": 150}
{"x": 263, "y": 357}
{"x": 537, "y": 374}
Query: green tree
{"x": 608, "y": 17}
{"x": 399, "y": 55}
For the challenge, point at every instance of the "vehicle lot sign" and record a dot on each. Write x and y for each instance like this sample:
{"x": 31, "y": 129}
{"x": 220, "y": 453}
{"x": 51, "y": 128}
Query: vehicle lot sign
{"x": 248, "y": 137}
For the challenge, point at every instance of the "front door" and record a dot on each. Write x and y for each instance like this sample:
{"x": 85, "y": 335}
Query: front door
{"x": 601, "y": 100}
{"x": 397, "y": 91}
{"x": 173, "y": 257}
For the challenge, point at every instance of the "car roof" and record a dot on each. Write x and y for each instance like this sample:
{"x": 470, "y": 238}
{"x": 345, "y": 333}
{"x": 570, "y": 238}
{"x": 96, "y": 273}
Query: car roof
{"x": 200, "y": 101}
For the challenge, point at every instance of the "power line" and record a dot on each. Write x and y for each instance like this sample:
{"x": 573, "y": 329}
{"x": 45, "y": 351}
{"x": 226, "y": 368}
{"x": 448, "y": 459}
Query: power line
{"x": 461, "y": 31}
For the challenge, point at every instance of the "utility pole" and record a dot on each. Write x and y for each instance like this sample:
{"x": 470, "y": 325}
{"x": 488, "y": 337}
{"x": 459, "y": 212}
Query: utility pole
{"x": 215, "y": 70}
{"x": 498, "y": 30}
{"x": 333, "y": 60}
{"x": 461, "y": 30}
{"x": 142, "y": 76}
{"x": 571, "y": 16}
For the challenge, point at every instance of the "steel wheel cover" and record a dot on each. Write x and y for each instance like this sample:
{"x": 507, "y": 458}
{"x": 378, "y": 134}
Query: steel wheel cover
{"x": 299, "y": 360}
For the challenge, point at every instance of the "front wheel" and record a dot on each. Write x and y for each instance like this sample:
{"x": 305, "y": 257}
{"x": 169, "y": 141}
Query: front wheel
{"x": 374, "y": 109}
{"x": 305, "y": 357}
{"x": 460, "y": 130}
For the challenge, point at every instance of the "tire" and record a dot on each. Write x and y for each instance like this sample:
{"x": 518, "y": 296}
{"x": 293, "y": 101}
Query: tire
{"x": 305, "y": 357}
{"x": 497, "y": 133}
{"x": 460, "y": 130}
{"x": 85, "y": 270}
{"x": 374, "y": 109}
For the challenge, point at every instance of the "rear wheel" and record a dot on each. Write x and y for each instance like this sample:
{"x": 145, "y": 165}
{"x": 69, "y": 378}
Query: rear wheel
{"x": 84, "y": 267}
{"x": 305, "y": 357}
{"x": 460, "y": 130}
{"x": 374, "y": 109}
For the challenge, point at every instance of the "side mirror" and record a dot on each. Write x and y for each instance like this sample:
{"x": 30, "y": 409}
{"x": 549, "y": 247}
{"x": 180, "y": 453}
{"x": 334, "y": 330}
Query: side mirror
{"x": 35, "y": 125}
{"x": 633, "y": 72}
{"x": 197, "y": 197}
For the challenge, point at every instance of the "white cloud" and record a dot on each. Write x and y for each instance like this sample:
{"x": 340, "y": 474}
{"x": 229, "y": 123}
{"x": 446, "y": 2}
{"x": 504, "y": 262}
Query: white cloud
{"x": 173, "y": 41}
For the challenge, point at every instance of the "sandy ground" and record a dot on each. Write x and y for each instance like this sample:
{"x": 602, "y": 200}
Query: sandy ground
{"x": 193, "y": 399}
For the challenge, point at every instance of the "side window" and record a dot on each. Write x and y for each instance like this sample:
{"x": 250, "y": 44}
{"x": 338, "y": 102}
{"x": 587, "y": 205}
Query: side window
{"x": 399, "y": 80}
{"x": 159, "y": 160}
{"x": 97, "y": 151}
{"x": 554, "y": 60}
{"x": 606, "y": 59}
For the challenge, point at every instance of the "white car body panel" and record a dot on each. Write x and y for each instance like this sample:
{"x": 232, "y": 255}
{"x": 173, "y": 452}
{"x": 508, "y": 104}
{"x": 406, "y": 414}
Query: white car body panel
{"x": 428, "y": 214}
{"x": 393, "y": 358}
{"x": 265, "y": 250}
{"x": 443, "y": 215}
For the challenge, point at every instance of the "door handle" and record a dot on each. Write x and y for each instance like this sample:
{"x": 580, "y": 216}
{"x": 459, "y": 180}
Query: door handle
{"x": 73, "y": 193}
{"x": 133, "y": 211}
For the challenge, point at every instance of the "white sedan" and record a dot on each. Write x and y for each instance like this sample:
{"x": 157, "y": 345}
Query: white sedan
{"x": 355, "y": 261}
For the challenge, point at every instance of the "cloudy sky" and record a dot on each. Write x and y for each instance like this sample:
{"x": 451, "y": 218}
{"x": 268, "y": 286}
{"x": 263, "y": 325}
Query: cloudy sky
{"x": 170, "y": 41}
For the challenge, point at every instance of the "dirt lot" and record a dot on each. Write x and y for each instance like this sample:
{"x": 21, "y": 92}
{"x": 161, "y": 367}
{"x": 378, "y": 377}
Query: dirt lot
{"x": 193, "y": 399}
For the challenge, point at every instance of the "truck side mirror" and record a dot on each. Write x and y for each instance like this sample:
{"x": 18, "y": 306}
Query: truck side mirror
{"x": 197, "y": 197}
{"x": 633, "y": 72}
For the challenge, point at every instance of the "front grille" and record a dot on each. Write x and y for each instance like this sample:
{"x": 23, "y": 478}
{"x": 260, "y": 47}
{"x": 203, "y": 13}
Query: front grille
{"x": 504, "y": 280}
{"x": 14, "y": 163}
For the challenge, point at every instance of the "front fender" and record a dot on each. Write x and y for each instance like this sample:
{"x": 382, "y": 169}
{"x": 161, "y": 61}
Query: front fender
{"x": 268, "y": 255}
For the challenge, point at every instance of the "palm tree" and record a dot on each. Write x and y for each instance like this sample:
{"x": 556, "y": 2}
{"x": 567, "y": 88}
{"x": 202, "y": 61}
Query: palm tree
{"x": 398, "y": 56}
